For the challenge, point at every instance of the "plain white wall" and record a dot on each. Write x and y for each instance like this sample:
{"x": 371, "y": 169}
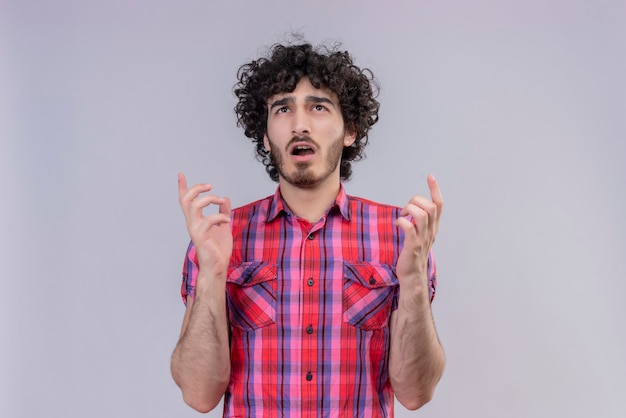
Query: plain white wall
{"x": 518, "y": 107}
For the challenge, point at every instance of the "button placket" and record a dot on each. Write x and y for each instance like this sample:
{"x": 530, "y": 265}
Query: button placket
{"x": 309, "y": 258}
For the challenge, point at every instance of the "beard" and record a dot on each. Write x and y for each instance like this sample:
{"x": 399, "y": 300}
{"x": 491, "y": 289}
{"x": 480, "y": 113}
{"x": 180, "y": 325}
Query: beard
{"x": 304, "y": 175}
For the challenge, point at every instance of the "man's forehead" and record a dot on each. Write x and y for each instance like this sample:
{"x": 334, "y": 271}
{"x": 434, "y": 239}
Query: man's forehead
{"x": 305, "y": 87}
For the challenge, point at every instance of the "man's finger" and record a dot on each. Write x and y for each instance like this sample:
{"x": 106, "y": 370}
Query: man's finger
{"x": 435, "y": 193}
{"x": 194, "y": 192}
{"x": 215, "y": 220}
{"x": 407, "y": 225}
{"x": 182, "y": 185}
{"x": 418, "y": 216}
{"x": 198, "y": 204}
{"x": 225, "y": 207}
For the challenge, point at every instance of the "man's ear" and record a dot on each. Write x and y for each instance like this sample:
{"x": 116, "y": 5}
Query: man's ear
{"x": 350, "y": 135}
{"x": 266, "y": 143}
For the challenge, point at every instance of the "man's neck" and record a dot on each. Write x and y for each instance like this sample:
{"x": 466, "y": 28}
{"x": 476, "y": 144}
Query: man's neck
{"x": 310, "y": 204}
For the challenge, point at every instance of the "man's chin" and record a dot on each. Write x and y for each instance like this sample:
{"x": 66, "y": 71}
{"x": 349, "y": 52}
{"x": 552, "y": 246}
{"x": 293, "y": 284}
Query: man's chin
{"x": 304, "y": 179}
{"x": 303, "y": 182}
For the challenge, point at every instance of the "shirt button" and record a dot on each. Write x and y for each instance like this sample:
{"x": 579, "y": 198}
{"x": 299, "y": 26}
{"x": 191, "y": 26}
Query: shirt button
{"x": 309, "y": 329}
{"x": 309, "y": 376}
{"x": 310, "y": 281}
{"x": 311, "y": 236}
{"x": 372, "y": 281}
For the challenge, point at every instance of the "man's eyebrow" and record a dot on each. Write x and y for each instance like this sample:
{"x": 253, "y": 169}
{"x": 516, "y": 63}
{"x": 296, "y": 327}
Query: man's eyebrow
{"x": 281, "y": 102}
{"x": 317, "y": 99}
{"x": 308, "y": 99}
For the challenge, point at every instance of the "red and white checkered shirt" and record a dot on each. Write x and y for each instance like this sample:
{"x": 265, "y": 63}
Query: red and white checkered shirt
{"x": 309, "y": 308}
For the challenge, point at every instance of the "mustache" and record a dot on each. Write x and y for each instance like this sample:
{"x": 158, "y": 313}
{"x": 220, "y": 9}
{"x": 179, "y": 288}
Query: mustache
{"x": 301, "y": 138}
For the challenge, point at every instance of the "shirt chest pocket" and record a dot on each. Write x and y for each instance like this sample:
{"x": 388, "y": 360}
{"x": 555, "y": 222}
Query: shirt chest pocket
{"x": 251, "y": 295}
{"x": 369, "y": 294}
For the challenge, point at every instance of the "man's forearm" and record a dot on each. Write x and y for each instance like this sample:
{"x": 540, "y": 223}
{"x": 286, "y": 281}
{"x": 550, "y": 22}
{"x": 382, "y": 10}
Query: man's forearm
{"x": 201, "y": 359}
{"x": 416, "y": 359}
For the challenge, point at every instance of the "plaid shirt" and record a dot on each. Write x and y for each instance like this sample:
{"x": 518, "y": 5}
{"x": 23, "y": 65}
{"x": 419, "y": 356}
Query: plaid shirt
{"x": 309, "y": 308}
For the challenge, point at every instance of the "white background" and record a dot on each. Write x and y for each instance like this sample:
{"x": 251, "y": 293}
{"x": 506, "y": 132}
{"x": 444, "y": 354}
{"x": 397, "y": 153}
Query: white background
{"x": 518, "y": 108}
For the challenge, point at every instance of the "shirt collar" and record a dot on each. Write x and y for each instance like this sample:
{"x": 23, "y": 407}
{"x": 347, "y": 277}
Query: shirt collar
{"x": 277, "y": 205}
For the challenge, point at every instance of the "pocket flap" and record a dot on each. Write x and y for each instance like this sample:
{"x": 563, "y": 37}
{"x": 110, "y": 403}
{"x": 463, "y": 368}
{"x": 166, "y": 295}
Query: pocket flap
{"x": 250, "y": 273}
{"x": 370, "y": 275}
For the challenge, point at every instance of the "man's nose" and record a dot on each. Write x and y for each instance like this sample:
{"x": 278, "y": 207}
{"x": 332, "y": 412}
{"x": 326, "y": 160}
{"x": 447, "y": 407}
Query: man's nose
{"x": 301, "y": 123}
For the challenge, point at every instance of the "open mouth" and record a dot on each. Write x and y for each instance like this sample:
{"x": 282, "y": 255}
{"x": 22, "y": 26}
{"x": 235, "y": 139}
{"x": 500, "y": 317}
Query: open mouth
{"x": 302, "y": 150}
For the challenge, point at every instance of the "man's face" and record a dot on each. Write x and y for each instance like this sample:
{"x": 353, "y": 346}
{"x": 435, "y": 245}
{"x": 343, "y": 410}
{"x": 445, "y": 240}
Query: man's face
{"x": 306, "y": 135}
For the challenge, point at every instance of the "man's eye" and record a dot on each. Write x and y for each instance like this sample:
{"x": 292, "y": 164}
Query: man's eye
{"x": 319, "y": 107}
{"x": 282, "y": 109}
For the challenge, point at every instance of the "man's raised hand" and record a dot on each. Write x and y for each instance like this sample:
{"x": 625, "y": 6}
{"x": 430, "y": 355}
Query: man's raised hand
{"x": 210, "y": 234}
{"x": 420, "y": 223}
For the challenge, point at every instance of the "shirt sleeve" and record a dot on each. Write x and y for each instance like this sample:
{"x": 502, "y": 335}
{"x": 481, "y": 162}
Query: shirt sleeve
{"x": 432, "y": 275}
{"x": 190, "y": 273}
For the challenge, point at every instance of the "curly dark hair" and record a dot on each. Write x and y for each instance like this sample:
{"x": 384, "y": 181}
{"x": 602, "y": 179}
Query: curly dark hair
{"x": 324, "y": 66}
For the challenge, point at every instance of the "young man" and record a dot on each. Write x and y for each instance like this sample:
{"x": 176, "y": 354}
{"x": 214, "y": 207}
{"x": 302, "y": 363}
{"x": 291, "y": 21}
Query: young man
{"x": 309, "y": 302}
